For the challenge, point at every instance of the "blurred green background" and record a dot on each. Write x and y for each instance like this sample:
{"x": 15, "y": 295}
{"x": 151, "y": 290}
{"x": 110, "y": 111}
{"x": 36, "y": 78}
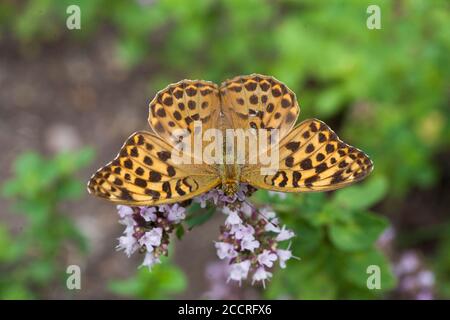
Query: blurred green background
{"x": 69, "y": 98}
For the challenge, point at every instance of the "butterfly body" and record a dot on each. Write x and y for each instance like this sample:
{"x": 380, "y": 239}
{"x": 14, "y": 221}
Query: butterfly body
{"x": 230, "y": 179}
{"x": 147, "y": 171}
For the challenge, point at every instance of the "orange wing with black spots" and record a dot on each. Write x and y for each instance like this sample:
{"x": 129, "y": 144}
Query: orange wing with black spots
{"x": 177, "y": 107}
{"x": 259, "y": 102}
{"x": 144, "y": 173}
{"x": 312, "y": 158}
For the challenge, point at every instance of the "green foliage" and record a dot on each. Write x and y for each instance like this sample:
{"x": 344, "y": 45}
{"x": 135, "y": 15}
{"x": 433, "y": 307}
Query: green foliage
{"x": 335, "y": 242}
{"x": 162, "y": 282}
{"x": 442, "y": 264}
{"x": 30, "y": 260}
{"x": 197, "y": 215}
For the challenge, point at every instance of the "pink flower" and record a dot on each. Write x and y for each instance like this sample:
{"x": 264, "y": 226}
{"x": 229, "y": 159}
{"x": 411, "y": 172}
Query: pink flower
{"x": 175, "y": 213}
{"x": 261, "y": 275}
{"x": 272, "y": 220}
{"x": 128, "y": 243}
{"x": 246, "y": 209}
{"x": 386, "y": 238}
{"x": 124, "y": 211}
{"x": 415, "y": 281}
{"x": 408, "y": 283}
{"x": 409, "y": 262}
{"x": 242, "y": 231}
{"x": 425, "y": 278}
{"x": 225, "y": 250}
{"x": 249, "y": 243}
{"x": 267, "y": 213}
{"x": 150, "y": 260}
{"x": 425, "y": 295}
{"x": 148, "y": 213}
{"x": 242, "y": 193}
{"x": 227, "y": 199}
{"x": 129, "y": 223}
{"x": 213, "y": 195}
{"x": 151, "y": 238}
{"x": 233, "y": 219}
{"x": 284, "y": 234}
{"x": 149, "y": 229}
{"x": 272, "y": 226}
{"x": 203, "y": 199}
{"x": 283, "y": 256}
{"x": 266, "y": 258}
{"x": 239, "y": 271}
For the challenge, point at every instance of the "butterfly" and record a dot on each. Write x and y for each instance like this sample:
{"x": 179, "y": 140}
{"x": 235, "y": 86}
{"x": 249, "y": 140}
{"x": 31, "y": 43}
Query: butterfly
{"x": 311, "y": 157}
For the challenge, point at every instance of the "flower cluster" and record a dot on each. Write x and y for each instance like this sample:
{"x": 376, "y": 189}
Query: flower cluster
{"x": 249, "y": 239}
{"x": 148, "y": 230}
{"x": 220, "y": 199}
{"x": 415, "y": 281}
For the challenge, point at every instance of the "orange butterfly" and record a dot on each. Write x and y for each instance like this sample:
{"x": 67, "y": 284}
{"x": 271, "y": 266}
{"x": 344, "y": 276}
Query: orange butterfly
{"x": 310, "y": 155}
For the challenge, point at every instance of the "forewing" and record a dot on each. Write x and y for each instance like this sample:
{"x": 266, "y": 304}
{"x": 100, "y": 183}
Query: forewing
{"x": 179, "y": 105}
{"x": 145, "y": 173}
{"x": 259, "y": 102}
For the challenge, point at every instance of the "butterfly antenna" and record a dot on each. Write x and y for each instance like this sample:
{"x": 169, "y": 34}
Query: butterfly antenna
{"x": 261, "y": 214}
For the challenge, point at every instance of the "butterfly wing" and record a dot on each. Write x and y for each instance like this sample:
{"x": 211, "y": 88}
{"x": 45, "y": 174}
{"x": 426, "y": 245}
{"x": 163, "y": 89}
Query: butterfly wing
{"x": 145, "y": 173}
{"x": 180, "y": 105}
{"x": 312, "y": 158}
{"x": 258, "y": 101}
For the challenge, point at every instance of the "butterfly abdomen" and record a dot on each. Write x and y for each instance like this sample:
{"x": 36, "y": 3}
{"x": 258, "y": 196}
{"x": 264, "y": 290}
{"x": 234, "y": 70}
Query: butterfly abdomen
{"x": 230, "y": 176}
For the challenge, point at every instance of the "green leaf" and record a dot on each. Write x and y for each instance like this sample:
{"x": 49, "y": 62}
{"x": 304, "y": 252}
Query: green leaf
{"x": 313, "y": 277}
{"x": 11, "y": 188}
{"x": 355, "y": 269}
{"x": 358, "y": 233}
{"x": 41, "y": 271}
{"x": 70, "y": 189}
{"x": 69, "y": 162}
{"x": 162, "y": 282}
{"x": 26, "y": 162}
{"x": 308, "y": 238}
{"x": 9, "y": 249}
{"x": 329, "y": 101}
{"x": 16, "y": 291}
{"x": 362, "y": 196}
{"x": 179, "y": 232}
{"x": 84, "y": 157}
{"x": 131, "y": 51}
{"x": 197, "y": 215}
{"x": 129, "y": 287}
{"x": 68, "y": 230}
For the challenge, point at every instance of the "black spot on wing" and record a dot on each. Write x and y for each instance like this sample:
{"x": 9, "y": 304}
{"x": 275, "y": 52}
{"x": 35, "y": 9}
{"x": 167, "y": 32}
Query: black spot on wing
{"x": 293, "y": 146}
{"x": 306, "y": 164}
{"x": 125, "y": 194}
{"x": 309, "y": 181}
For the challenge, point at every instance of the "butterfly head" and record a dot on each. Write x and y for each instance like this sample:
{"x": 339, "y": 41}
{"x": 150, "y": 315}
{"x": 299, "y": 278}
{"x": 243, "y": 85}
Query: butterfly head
{"x": 230, "y": 187}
